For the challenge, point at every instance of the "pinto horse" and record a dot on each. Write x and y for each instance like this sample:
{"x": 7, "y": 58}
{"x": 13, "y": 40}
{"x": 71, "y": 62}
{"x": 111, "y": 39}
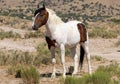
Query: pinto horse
{"x": 60, "y": 34}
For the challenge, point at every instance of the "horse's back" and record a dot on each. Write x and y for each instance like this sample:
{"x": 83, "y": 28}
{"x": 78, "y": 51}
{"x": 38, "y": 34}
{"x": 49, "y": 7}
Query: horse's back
{"x": 73, "y": 35}
{"x": 68, "y": 33}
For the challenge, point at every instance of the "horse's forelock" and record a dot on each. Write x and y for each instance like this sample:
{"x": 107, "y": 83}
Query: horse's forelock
{"x": 38, "y": 10}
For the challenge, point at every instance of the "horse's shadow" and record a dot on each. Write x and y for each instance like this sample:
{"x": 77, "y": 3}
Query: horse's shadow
{"x": 118, "y": 50}
{"x": 48, "y": 75}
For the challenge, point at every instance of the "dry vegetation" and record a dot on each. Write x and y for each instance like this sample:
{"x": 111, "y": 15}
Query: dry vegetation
{"x": 102, "y": 20}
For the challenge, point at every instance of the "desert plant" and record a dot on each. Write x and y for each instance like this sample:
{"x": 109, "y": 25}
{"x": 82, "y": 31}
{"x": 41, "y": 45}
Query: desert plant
{"x": 97, "y": 58}
{"x": 36, "y": 34}
{"x": 43, "y": 54}
{"x": 103, "y": 75}
{"x": 95, "y": 78}
{"x": 9, "y": 34}
{"x": 30, "y": 75}
{"x": 15, "y": 57}
{"x": 117, "y": 21}
{"x": 102, "y": 32}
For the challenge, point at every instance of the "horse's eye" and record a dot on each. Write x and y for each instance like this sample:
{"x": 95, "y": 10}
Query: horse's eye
{"x": 41, "y": 14}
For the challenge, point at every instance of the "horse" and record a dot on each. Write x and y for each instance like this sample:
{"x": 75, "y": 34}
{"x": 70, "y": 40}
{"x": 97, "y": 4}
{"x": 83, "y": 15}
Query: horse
{"x": 63, "y": 35}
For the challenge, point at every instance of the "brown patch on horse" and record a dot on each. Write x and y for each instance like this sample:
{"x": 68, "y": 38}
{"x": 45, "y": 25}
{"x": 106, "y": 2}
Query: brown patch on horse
{"x": 50, "y": 42}
{"x": 82, "y": 30}
{"x": 41, "y": 18}
{"x": 46, "y": 17}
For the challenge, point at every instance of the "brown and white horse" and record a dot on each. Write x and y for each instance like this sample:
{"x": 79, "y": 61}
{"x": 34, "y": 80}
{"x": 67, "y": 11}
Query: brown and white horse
{"x": 62, "y": 35}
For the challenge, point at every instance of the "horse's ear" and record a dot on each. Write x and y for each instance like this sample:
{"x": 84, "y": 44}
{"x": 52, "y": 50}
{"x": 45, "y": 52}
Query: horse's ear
{"x": 44, "y": 6}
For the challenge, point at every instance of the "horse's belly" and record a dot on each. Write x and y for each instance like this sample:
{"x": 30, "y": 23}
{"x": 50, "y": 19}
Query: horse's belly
{"x": 73, "y": 37}
{"x": 73, "y": 40}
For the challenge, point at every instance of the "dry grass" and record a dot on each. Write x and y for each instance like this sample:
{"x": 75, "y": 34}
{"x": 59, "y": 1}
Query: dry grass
{"x": 28, "y": 74}
{"x": 118, "y": 43}
{"x": 103, "y": 75}
{"x": 104, "y": 31}
{"x": 9, "y": 34}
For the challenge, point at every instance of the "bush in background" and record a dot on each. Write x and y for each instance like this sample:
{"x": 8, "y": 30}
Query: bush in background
{"x": 102, "y": 32}
{"x": 9, "y": 34}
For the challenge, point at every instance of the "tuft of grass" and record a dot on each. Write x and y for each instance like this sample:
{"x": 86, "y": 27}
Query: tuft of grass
{"x": 96, "y": 78}
{"x": 9, "y": 34}
{"x": 15, "y": 57}
{"x": 103, "y": 75}
{"x": 29, "y": 74}
{"x": 35, "y": 34}
{"x": 103, "y": 33}
{"x": 112, "y": 69}
{"x": 116, "y": 21}
{"x": 97, "y": 58}
{"x": 43, "y": 54}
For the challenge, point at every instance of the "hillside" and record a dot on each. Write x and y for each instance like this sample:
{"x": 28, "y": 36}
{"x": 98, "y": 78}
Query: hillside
{"x": 92, "y": 10}
{"x": 21, "y": 46}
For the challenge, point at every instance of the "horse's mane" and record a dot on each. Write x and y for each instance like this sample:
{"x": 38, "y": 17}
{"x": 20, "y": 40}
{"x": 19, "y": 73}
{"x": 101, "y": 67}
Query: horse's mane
{"x": 54, "y": 17}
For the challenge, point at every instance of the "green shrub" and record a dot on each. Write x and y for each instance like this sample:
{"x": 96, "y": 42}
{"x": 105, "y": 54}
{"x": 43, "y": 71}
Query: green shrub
{"x": 112, "y": 69}
{"x": 97, "y": 58}
{"x": 9, "y": 34}
{"x": 36, "y": 34}
{"x": 96, "y": 78}
{"x": 43, "y": 54}
{"x": 117, "y": 21}
{"x": 15, "y": 57}
{"x": 102, "y": 32}
{"x": 103, "y": 75}
{"x": 30, "y": 75}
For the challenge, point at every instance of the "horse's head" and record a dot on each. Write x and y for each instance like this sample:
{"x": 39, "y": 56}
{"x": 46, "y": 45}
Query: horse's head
{"x": 41, "y": 17}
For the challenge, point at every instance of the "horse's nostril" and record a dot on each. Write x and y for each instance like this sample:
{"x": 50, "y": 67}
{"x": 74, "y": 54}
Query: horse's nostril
{"x": 34, "y": 27}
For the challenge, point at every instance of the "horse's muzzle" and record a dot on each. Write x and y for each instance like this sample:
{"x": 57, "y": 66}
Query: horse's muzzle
{"x": 34, "y": 27}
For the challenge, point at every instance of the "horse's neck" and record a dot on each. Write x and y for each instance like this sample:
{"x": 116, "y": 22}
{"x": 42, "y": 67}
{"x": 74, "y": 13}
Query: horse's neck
{"x": 51, "y": 24}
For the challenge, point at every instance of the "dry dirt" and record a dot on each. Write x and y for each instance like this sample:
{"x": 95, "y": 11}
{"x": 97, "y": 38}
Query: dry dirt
{"x": 98, "y": 47}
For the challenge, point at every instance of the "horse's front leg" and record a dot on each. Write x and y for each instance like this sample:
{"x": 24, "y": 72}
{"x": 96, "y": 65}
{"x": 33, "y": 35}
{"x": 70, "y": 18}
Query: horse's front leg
{"x": 52, "y": 50}
{"x": 51, "y": 47}
{"x": 62, "y": 49}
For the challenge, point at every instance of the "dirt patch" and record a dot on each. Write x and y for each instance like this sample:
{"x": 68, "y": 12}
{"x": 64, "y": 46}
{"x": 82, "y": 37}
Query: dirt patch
{"x": 98, "y": 47}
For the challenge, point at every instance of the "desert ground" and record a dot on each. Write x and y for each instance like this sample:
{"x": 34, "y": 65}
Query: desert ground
{"x": 105, "y": 48}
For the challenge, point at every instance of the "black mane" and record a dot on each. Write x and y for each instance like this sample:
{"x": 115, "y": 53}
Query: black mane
{"x": 38, "y": 10}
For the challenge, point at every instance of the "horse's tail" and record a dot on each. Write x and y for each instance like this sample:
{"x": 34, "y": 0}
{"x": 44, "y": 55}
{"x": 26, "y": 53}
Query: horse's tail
{"x": 82, "y": 53}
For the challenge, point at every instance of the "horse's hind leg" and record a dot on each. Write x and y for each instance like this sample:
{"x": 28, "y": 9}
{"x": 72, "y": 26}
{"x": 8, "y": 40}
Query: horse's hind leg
{"x": 52, "y": 50}
{"x": 85, "y": 46}
{"x": 76, "y": 61}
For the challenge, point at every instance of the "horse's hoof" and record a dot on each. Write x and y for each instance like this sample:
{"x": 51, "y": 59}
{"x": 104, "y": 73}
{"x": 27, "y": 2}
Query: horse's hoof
{"x": 53, "y": 76}
{"x": 74, "y": 73}
{"x": 64, "y": 75}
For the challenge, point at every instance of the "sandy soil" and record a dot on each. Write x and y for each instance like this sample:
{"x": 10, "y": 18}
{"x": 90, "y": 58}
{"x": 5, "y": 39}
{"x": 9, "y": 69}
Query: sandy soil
{"x": 98, "y": 47}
